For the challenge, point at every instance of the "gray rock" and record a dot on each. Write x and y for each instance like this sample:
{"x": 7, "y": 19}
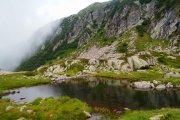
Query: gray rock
{"x": 161, "y": 87}
{"x": 22, "y": 108}
{"x": 137, "y": 63}
{"x": 156, "y": 117}
{"x": 169, "y": 85}
{"x": 115, "y": 64}
{"x": 172, "y": 74}
{"x": 164, "y": 68}
{"x": 152, "y": 61}
{"x": 155, "y": 82}
{"x": 21, "y": 118}
{"x": 29, "y": 111}
{"x": 142, "y": 85}
{"x": 88, "y": 115}
{"x": 9, "y": 108}
{"x": 92, "y": 68}
{"x": 126, "y": 68}
{"x": 94, "y": 62}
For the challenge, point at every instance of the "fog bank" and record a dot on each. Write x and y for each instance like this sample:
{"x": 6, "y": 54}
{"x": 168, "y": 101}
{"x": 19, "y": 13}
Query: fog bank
{"x": 21, "y": 19}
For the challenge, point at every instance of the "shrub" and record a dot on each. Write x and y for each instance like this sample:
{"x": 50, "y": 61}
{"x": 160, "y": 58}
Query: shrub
{"x": 122, "y": 48}
{"x": 141, "y": 29}
{"x": 30, "y": 73}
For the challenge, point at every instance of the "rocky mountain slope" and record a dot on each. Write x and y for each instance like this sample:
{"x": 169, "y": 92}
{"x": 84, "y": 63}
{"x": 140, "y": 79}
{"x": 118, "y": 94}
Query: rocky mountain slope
{"x": 119, "y": 36}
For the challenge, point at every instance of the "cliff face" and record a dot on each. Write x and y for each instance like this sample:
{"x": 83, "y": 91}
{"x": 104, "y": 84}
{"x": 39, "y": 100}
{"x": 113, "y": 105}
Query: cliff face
{"x": 160, "y": 19}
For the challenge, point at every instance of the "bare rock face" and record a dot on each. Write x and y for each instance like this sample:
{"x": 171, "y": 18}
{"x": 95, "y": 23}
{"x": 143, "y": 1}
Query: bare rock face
{"x": 106, "y": 52}
{"x": 136, "y": 63}
{"x": 115, "y": 64}
{"x": 94, "y": 62}
{"x": 126, "y": 68}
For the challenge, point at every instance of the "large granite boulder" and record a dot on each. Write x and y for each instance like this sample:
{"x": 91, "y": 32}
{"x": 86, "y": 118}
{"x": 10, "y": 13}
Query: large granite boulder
{"x": 136, "y": 63}
{"x": 143, "y": 85}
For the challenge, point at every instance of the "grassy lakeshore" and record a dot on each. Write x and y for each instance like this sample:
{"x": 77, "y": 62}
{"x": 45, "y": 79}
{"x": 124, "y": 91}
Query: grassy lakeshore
{"x": 167, "y": 114}
{"x": 16, "y": 80}
{"x": 149, "y": 75}
{"x": 63, "y": 108}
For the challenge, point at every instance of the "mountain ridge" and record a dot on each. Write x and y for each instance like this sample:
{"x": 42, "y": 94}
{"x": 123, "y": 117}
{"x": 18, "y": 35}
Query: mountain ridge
{"x": 103, "y": 23}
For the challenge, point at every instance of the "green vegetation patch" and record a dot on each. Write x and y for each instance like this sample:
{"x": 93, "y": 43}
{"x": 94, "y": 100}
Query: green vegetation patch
{"x": 163, "y": 59}
{"x": 149, "y": 75}
{"x": 146, "y": 42}
{"x": 141, "y": 29}
{"x": 74, "y": 69}
{"x": 168, "y": 114}
{"x": 63, "y": 108}
{"x": 20, "y": 80}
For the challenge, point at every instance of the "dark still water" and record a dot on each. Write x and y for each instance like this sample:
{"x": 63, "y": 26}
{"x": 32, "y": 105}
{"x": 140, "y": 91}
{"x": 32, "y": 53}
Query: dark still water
{"x": 99, "y": 92}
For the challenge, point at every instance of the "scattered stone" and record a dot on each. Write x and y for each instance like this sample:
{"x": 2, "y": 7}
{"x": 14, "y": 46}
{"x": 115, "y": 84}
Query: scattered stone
{"x": 155, "y": 82}
{"x": 22, "y": 108}
{"x": 172, "y": 74}
{"x": 171, "y": 57}
{"x": 29, "y": 111}
{"x": 21, "y": 118}
{"x": 94, "y": 62}
{"x": 152, "y": 61}
{"x": 164, "y": 68}
{"x": 161, "y": 87}
{"x": 169, "y": 85}
{"x": 157, "y": 117}
{"x": 126, "y": 68}
{"x": 143, "y": 85}
{"x": 127, "y": 109}
{"x": 88, "y": 115}
{"x": 22, "y": 98}
{"x": 13, "y": 92}
{"x": 136, "y": 63}
{"x": 177, "y": 86}
{"x": 92, "y": 68}
{"x": 9, "y": 108}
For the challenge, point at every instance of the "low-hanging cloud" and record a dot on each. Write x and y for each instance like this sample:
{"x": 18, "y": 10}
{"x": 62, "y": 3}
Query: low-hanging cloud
{"x": 20, "y": 19}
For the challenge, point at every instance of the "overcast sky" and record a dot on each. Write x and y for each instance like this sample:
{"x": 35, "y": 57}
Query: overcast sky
{"x": 19, "y": 19}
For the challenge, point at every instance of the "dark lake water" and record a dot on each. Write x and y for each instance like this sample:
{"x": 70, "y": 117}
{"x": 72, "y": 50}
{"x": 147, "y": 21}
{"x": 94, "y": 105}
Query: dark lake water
{"x": 100, "y": 92}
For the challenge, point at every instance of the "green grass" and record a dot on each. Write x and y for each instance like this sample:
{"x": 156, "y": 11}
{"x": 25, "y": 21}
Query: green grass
{"x": 20, "y": 80}
{"x": 145, "y": 42}
{"x": 63, "y": 108}
{"x": 149, "y": 75}
{"x": 168, "y": 114}
{"x": 169, "y": 62}
{"x": 74, "y": 69}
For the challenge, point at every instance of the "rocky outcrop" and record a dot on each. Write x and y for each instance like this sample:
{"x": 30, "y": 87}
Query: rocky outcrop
{"x": 109, "y": 20}
{"x": 142, "y": 85}
{"x": 136, "y": 63}
{"x": 152, "y": 85}
{"x": 107, "y": 52}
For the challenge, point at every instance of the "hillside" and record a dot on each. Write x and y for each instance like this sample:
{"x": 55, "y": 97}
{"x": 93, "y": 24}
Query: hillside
{"x": 118, "y": 36}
